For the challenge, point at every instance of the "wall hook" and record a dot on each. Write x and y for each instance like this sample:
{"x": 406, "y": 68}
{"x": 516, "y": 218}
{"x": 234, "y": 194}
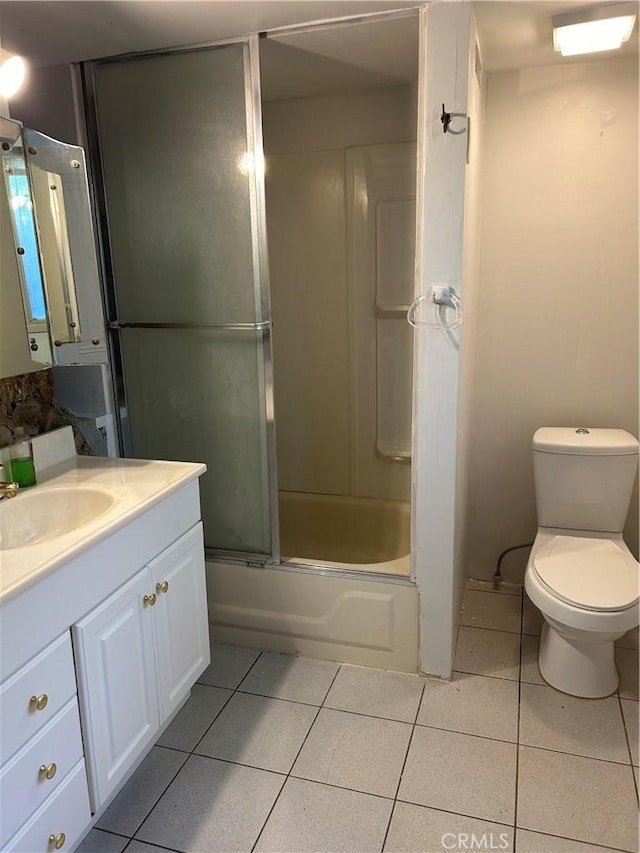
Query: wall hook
{"x": 446, "y": 117}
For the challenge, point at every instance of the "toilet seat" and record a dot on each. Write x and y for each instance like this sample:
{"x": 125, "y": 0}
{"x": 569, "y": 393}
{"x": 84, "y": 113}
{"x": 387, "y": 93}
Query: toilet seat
{"x": 594, "y": 574}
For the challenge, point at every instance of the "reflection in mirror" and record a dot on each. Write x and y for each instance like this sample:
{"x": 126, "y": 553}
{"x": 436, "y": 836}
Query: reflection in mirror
{"x": 54, "y": 169}
{"x": 48, "y": 197}
{"x": 19, "y": 204}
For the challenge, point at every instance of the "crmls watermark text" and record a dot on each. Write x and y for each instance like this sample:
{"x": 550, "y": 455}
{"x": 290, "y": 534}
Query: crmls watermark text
{"x": 473, "y": 841}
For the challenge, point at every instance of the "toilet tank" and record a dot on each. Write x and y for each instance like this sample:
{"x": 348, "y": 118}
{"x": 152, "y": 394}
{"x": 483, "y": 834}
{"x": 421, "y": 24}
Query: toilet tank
{"x": 584, "y": 477}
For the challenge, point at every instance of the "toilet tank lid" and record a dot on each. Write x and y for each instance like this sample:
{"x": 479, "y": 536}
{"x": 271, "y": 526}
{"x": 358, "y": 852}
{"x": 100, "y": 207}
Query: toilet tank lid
{"x": 585, "y": 441}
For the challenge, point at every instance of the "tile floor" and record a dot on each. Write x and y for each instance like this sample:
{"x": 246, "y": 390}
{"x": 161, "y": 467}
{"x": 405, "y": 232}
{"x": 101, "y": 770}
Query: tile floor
{"x": 274, "y": 753}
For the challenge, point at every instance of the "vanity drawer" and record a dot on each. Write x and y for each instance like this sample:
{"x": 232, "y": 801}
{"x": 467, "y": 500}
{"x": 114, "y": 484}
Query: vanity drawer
{"x": 35, "y": 694}
{"x": 23, "y": 785}
{"x": 65, "y": 813}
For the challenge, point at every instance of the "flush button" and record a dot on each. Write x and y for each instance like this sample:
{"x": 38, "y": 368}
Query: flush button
{"x": 582, "y": 431}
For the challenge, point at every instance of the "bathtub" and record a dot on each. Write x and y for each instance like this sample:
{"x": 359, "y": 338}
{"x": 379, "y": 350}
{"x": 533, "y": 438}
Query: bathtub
{"x": 348, "y": 533}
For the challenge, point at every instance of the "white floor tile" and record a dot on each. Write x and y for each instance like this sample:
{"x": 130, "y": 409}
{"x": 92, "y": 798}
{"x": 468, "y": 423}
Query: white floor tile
{"x": 536, "y": 842}
{"x": 589, "y": 727}
{"x": 212, "y": 806}
{"x": 286, "y": 677}
{"x": 580, "y": 798}
{"x": 473, "y": 704}
{"x": 529, "y": 669}
{"x": 317, "y": 818}
{"x": 630, "y": 711}
{"x": 139, "y": 795}
{"x": 631, "y": 639}
{"x": 532, "y": 618}
{"x": 98, "y": 841}
{"x": 229, "y": 665}
{"x": 362, "y": 753}
{"x": 627, "y": 663}
{"x": 393, "y": 695}
{"x": 195, "y": 717}
{"x": 487, "y": 610}
{"x": 416, "y": 829}
{"x": 483, "y": 652}
{"x": 264, "y": 733}
{"x": 460, "y": 773}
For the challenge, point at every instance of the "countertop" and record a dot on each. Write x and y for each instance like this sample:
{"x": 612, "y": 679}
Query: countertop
{"x": 135, "y": 485}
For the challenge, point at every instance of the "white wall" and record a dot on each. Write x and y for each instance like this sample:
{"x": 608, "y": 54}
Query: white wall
{"x": 313, "y": 310}
{"x": 437, "y": 532}
{"x": 558, "y": 316}
{"x": 468, "y": 341}
{"x": 46, "y": 103}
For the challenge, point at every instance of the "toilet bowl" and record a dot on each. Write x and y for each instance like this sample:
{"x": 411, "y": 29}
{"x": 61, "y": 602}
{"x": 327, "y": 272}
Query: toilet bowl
{"x": 580, "y": 574}
{"x": 587, "y": 588}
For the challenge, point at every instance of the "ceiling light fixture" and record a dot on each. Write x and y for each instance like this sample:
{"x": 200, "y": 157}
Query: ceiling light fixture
{"x": 594, "y": 29}
{"x": 13, "y": 70}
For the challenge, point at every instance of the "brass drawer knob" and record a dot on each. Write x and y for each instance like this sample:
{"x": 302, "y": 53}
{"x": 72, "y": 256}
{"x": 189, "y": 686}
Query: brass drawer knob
{"x": 38, "y": 703}
{"x": 162, "y": 587}
{"x": 149, "y": 599}
{"x": 57, "y": 841}
{"x": 48, "y": 771}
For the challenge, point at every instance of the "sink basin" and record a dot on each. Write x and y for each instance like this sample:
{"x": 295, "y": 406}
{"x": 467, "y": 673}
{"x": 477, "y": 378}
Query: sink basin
{"x": 37, "y": 516}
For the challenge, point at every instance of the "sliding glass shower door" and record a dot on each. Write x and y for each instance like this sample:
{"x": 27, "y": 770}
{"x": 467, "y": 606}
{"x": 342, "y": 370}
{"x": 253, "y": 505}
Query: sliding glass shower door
{"x": 179, "y": 148}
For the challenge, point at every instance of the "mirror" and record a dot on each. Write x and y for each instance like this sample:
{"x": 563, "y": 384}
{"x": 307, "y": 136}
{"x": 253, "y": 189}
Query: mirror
{"x": 17, "y": 207}
{"x": 56, "y": 171}
{"x": 48, "y": 205}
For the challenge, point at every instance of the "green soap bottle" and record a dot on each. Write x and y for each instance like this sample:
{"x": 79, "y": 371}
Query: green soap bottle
{"x": 23, "y": 471}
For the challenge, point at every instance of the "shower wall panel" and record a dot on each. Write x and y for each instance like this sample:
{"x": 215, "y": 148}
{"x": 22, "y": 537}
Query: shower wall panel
{"x": 321, "y": 446}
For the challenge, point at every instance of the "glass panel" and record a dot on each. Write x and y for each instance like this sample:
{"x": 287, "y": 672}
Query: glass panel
{"x": 193, "y": 395}
{"x": 184, "y": 204}
{"x": 177, "y": 167}
{"x": 25, "y": 329}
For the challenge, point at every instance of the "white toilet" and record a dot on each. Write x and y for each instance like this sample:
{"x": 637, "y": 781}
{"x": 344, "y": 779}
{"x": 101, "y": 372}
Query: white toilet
{"x": 580, "y": 574}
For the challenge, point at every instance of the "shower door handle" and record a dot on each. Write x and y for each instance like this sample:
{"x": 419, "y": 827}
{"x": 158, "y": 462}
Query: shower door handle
{"x": 261, "y": 326}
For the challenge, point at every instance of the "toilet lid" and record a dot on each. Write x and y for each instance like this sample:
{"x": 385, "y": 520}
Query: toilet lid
{"x": 590, "y": 573}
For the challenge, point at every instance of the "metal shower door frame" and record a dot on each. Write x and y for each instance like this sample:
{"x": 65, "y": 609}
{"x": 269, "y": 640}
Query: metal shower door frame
{"x": 253, "y": 107}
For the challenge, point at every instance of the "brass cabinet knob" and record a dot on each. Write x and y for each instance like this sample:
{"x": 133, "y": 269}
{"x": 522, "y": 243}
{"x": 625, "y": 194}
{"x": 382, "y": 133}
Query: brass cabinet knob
{"x": 57, "y": 841}
{"x": 162, "y": 587}
{"x": 48, "y": 771}
{"x": 38, "y": 703}
{"x": 149, "y": 599}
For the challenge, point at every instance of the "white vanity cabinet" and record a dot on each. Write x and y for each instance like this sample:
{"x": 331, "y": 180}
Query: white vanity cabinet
{"x": 137, "y": 656}
{"x": 42, "y": 750}
{"x": 97, "y": 651}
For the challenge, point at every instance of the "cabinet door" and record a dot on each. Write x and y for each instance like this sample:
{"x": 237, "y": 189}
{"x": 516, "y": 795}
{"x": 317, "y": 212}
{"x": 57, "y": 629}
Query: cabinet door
{"x": 181, "y": 618}
{"x": 116, "y": 670}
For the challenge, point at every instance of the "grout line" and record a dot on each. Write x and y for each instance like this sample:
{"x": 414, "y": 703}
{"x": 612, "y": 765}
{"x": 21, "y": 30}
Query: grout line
{"x": 279, "y": 699}
{"x": 159, "y": 846}
{"x": 628, "y": 739}
{"x": 484, "y": 675}
{"x": 517, "y": 633}
{"x": 462, "y": 814}
{"x": 404, "y": 763}
{"x": 469, "y": 734}
{"x": 164, "y": 790}
{"x": 288, "y": 776}
{"x": 191, "y": 752}
{"x": 515, "y": 803}
{"x": 566, "y": 838}
{"x": 575, "y": 755}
